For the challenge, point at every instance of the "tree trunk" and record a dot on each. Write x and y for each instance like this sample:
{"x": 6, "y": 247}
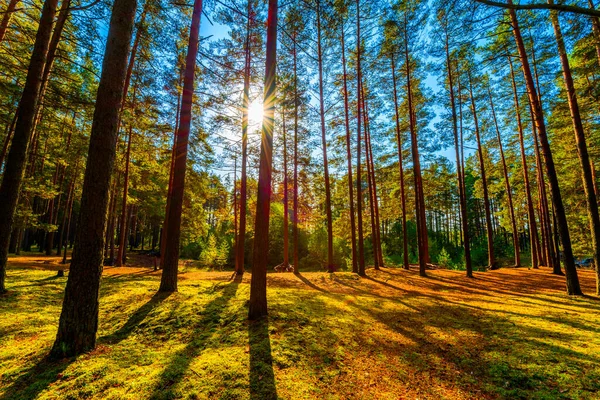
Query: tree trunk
{"x": 582, "y": 151}
{"x": 459, "y": 170}
{"x": 79, "y": 317}
{"x": 419, "y": 197}
{"x": 122, "y": 237}
{"x": 486, "y": 199}
{"x": 6, "y": 19}
{"x": 511, "y": 208}
{"x": 258, "y": 285}
{"x": 286, "y": 229}
{"x": 330, "y": 266}
{"x": 168, "y": 282}
{"x": 349, "y": 156}
{"x": 573, "y": 287}
{"x": 405, "y": 263}
{"x": 295, "y": 220}
{"x": 241, "y": 241}
{"x": 371, "y": 195}
{"x": 532, "y": 225}
{"x": 370, "y": 160}
{"x": 7, "y": 139}
{"x": 359, "y": 196}
{"x": 15, "y": 163}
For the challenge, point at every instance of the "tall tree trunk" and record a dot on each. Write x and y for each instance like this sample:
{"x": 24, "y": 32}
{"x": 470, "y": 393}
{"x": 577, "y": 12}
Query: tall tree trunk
{"x": 330, "y": 265}
{"x": 6, "y": 19}
{"x": 168, "y": 282}
{"x": 582, "y": 151}
{"x": 486, "y": 199}
{"x": 596, "y": 31}
{"x": 359, "y": 195}
{"x": 79, "y": 317}
{"x": 349, "y": 156}
{"x": 511, "y": 208}
{"x": 286, "y": 228}
{"x": 573, "y": 287}
{"x": 370, "y": 191}
{"x": 123, "y": 221}
{"x": 418, "y": 181}
{"x": 532, "y": 224}
{"x": 15, "y": 163}
{"x": 405, "y": 263}
{"x": 459, "y": 170}
{"x": 258, "y": 284}
{"x": 295, "y": 220}
{"x": 241, "y": 247}
{"x": 370, "y": 160}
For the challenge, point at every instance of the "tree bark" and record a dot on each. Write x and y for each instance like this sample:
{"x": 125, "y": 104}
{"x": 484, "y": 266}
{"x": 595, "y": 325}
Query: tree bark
{"x": 573, "y": 287}
{"x": 582, "y": 151}
{"x": 511, "y": 208}
{"x": 486, "y": 199}
{"x": 79, "y": 317}
{"x": 330, "y": 265}
{"x": 123, "y": 221}
{"x": 6, "y": 19}
{"x": 15, "y": 163}
{"x": 349, "y": 156}
{"x": 241, "y": 241}
{"x": 405, "y": 263}
{"x": 258, "y": 284}
{"x": 168, "y": 282}
{"x": 359, "y": 195}
{"x": 295, "y": 220}
{"x": 459, "y": 170}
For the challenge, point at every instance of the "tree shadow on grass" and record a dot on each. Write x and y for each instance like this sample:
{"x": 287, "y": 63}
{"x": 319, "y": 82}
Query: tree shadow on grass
{"x": 180, "y": 362}
{"x": 134, "y": 320}
{"x": 262, "y": 377}
{"x": 309, "y": 283}
{"x": 36, "y": 379}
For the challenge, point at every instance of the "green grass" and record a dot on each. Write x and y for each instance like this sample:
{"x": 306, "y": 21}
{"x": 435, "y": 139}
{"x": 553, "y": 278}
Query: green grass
{"x": 507, "y": 334}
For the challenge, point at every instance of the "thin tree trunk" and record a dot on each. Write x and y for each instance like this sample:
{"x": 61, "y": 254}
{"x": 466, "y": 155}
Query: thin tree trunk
{"x": 459, "y": 169}
{"x": 295, "y": 220}
{"x": 258, "y": 284}
{"x": 349, "y": 157}
{"x": 286, "y": 229}
{"x": 79, "y": 317}
{"x": 419, "y": 198}
{"x": 240, "y": 250}
{"x": 330, "y": 265}
{"x": 15, "y": 163}
{"x": 122, "y": 237}
{"x": 168, "y": 282}
{"x": 573, "y": 287}
{"x": 582, "y": 151}
{"x": 405, "y": 263}
{"x": 511, "y": 208}
{"x": 359, "y": 196}
{"x": 486, "y": 199}
{"x": 6, "y": 19}
{"x": 371, "y": 195}
{"x": 7, "y": 139}
{"x": 371, "y": 161}
{"x": 532, "y": 225}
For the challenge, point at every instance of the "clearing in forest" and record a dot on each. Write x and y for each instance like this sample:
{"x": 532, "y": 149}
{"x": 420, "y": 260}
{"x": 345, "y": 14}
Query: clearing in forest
{"x": 510, "y": 333}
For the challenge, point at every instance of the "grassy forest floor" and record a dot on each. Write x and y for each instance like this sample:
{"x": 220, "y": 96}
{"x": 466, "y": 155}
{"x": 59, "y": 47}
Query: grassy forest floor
{"x": 511, "y": 333}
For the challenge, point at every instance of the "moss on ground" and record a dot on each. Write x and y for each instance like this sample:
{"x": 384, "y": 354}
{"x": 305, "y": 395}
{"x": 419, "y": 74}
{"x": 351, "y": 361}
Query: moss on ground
{"x": 506, "y": 334}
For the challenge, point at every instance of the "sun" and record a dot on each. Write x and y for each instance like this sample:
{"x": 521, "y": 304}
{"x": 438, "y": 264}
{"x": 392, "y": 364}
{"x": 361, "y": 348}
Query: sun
{"x": 255, "y": 113}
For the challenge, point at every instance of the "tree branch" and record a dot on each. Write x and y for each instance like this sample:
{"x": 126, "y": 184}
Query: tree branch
{"x": 556, "y": 7}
